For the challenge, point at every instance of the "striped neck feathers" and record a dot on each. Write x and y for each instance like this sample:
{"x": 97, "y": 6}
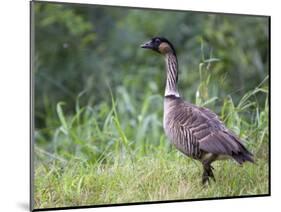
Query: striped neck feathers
{"x": 172, "y": 74}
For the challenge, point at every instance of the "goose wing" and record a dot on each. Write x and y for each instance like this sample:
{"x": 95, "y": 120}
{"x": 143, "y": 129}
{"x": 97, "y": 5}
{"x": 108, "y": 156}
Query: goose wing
{"x": 211, "y": 134}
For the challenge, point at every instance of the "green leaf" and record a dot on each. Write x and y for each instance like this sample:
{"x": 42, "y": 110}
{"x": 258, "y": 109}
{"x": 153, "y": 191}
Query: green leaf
{"x": 61, "y": 116}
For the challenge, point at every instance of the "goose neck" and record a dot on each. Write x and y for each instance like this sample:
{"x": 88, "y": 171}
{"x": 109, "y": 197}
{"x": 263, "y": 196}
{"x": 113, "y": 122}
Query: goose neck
{"x": 171, "y": 75}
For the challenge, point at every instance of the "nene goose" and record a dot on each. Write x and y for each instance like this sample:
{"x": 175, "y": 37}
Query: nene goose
{"x": 195, "y": 131}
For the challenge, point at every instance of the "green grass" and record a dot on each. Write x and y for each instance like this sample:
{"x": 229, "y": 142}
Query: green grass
{"x": 148, "y": 179}
{"x": 116, "y": 152}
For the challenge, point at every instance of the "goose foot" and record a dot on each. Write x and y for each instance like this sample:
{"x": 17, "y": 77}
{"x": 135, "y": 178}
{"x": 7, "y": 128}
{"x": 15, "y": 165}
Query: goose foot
{"x": 207, "y": 174}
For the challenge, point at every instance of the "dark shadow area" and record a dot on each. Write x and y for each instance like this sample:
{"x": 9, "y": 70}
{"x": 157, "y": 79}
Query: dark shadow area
{"x": 23, "y": 205}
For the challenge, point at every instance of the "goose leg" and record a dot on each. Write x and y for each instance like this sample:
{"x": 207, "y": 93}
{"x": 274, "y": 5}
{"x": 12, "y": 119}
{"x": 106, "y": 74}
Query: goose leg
{"x": 207, "y": 173}
{"x": 205, "y": 176}
{"x": 208, "y": 170}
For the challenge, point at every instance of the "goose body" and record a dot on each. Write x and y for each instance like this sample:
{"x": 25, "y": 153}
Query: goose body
{"x": 195, "y": 131}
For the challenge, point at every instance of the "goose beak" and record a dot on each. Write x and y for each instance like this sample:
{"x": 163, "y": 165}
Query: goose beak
{"x": 147, "y": 45}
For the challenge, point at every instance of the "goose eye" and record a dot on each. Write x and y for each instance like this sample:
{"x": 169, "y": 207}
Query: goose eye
{"x": 157, "y": 40}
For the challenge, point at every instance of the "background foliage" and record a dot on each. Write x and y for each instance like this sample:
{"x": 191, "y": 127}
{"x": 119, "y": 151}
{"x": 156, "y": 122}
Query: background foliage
{"x": 98, "y": 99}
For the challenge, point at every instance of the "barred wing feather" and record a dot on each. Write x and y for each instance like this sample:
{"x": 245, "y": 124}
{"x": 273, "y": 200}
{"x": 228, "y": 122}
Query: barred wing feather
{"x": 209, "y": 132}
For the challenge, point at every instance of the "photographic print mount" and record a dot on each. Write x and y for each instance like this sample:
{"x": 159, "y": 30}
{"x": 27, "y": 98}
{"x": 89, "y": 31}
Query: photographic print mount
{"x": 94, "y": 122}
